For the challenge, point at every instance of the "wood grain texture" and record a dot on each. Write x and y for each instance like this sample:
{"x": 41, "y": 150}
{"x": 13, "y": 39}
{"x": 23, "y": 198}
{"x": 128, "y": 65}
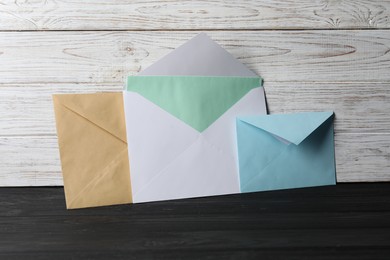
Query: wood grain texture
{"x": 34, "y": 160}
{"x": 30, "y": 161}
{"x": 359, "y": 107}
{"x": 190, "y": 15}
{"x": 30, "y": 153}
{"x": 302, "y": 73}
{"x": 309, "y": 53}
{"x": 346, "y": 221}
{"x": 28, "y": 109}
{"x": 108, "y": 57}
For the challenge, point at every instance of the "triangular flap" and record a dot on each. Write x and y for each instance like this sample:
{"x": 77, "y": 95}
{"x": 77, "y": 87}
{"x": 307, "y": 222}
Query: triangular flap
{"x": 102, "y": 109}
{"x": 291, "y": 127}
{"x": 200, "y": 56}
{"x": 197, "y": 101}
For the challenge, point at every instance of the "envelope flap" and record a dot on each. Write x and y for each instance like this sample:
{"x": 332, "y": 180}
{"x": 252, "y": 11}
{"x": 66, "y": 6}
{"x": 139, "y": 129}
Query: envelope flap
{"x": 197, "y": 101}
{"x": 291, "y": 127}
{"x": 200, "y": 56}
{"x": 102, "y": 109}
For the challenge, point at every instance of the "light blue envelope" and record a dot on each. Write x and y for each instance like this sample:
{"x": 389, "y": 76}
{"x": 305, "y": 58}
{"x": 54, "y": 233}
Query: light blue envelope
{"x": 285, "y": 151}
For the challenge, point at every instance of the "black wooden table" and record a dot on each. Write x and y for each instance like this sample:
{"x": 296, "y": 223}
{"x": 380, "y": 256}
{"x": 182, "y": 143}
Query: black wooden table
{"x": 347, "y": 221}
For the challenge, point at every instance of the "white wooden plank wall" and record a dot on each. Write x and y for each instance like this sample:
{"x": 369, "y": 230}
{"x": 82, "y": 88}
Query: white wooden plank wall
{"x": 313, "y": 56}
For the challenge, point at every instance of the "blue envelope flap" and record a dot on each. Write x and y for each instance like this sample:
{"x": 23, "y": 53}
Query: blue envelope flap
{"x": 291, "y": 127}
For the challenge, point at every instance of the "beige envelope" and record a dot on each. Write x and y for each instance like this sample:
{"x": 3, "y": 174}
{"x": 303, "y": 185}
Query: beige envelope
{"x": 93, "y": 149}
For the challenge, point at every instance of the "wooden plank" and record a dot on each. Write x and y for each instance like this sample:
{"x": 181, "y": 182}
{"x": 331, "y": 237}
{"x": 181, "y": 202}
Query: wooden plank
{"x": 34, "y": 161}
{"x": 359, "y": 107}
{"x": 343, "y": 198}
{"x": 193, "y": 233}
{"x": 189, "y": 15}
{"x": 363, "y": 157}
{"x": 30, "y": 161}
{"x": 311, "y": 223}
{"x": 108, "y": 57}
{"x": 28, "y": 109}
{"x": 111, "y": 251}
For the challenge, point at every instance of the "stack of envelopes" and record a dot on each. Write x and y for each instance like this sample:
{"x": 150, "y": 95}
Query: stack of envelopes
{"x": 193, "y": 124}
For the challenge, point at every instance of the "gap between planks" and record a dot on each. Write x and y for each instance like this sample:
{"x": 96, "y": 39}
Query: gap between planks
{"x": 202, "y": 30}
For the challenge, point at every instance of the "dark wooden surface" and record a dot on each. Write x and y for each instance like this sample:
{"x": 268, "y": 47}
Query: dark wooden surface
{"x": 347, "y": 221}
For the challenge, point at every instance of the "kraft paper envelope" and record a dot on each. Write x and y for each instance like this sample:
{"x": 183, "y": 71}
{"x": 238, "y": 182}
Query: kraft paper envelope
{"x": 286, "y": 151}
{"x": 93, "y": 149}
{"x": 182, "y": 135}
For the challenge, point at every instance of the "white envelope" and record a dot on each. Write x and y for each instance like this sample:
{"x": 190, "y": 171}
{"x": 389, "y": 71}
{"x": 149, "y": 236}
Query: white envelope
{"x": 170, "y": 159}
